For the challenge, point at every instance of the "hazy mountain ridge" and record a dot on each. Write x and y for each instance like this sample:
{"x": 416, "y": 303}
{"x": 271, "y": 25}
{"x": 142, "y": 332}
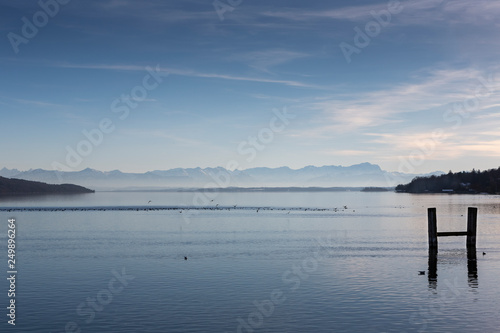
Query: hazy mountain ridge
{"x": 8, "y": 173}
{"x": 364, "y": 174}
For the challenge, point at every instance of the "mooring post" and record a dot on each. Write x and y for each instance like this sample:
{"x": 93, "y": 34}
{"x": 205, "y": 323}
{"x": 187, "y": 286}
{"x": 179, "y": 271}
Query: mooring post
{"x": 432, "y": 229}
{"x": 471, "y": 227}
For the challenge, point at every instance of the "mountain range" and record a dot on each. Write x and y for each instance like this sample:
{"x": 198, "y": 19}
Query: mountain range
{"x": 364, "y": 174}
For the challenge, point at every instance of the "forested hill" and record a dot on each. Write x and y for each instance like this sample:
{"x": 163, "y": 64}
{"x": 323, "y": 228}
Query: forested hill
{"x": 460, "y": 182}
{"x": 19, "y": 186}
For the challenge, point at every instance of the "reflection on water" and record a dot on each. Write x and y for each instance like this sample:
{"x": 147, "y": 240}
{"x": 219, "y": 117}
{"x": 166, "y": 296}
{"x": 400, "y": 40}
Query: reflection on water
{"x": 365, "y": 279}
{"x": 471, "y": 268}
{"x": 432, "y": 272}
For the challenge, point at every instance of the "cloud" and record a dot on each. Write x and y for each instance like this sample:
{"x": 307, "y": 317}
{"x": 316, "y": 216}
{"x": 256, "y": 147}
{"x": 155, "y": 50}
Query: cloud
{"x": 266, "y": 59}
{"x": 152, "y": 11}
{"x": 481, "y": 148}
{"x": 193, "y": 73}
{"x": 347, "y": 152}
{"x": 351, "y": 13}
{"x": 421, "y": 12}
{"x": 403, "y": 141}
{"x": 164, "y": 135}
{"x": 447, "y": 143}
{"x": 434, "y": 89}
{"x": 41, "y": 103}
{"x": 404, "y": 119}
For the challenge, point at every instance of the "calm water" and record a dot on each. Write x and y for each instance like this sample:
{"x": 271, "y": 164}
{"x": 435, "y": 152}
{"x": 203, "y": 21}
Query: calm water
{"x": 275, "y": 270}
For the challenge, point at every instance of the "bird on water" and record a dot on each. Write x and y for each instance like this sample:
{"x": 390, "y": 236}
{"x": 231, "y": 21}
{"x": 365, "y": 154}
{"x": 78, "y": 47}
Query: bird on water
{"x": 185, "y": 258}
{"x": 421, "y": 272}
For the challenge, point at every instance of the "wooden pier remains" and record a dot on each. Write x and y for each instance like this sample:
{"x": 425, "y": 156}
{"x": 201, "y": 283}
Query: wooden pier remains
{"x": 470, "y": 233}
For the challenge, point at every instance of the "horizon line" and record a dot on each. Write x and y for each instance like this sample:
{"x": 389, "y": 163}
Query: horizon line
{"x": 217, "y": 167}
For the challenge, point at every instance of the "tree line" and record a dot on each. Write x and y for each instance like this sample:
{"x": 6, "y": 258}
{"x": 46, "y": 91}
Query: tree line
{"x": 474, "y": 181}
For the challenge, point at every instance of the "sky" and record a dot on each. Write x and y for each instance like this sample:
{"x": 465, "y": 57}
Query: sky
{"x": 412, "y": 86}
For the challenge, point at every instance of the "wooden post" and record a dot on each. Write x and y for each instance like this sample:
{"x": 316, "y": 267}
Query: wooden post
{"x": 432, "y": 228}
{"x": 471, "y": 227}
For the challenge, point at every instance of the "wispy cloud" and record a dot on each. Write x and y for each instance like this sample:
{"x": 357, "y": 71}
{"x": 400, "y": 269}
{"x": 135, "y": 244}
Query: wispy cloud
{"x": 193, "y": 73}
{"x": 347, "y": 152}
{"x": 351, "y": 13}
{"x": 161, "y": 134}
{"x": 420, "y": 12}
{"x": 152, "y": 11}
{"x": 41, "y": 103}
{"x": 266, "y": 59}
{"x": 438, "y": 88}
{"x": 470, "y": 139}
{"x": 403, "y": 141}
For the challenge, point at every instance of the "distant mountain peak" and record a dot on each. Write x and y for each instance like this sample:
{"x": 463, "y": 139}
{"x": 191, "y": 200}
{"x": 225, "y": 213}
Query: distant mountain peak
{"x": 363, "y": 175}
{"x": 366, "y": 165}
{"x": 90, "y": 170}
{"x": 4, "y": 172}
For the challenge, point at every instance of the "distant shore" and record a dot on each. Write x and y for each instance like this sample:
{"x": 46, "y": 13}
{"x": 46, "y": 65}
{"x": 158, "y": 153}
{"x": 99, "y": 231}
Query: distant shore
{"x": 472, "y": 182}
{"x": 255, "y": 189}
{"x": 13, "y": 186}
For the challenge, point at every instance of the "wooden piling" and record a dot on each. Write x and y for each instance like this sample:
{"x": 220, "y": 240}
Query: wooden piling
{"x": 432, "y": 227}
{"x": 452, "y": 233}
{"x": 470, "y": 233}
{"x": 471, "y": 227}
{"x": 471, "y": 245}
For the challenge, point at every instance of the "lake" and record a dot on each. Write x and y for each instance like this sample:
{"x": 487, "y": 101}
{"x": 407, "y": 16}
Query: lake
{"x": 256, "y": 262}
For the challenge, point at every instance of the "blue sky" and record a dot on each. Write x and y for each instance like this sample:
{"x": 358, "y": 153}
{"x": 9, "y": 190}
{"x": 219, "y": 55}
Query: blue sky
{"x": 419, "y": 93}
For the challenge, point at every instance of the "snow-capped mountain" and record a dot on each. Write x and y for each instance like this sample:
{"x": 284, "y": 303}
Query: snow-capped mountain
{"x": 364, "y": 174}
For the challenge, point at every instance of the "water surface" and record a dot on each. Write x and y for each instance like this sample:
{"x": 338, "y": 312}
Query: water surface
{"x": 302, "y": 263}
